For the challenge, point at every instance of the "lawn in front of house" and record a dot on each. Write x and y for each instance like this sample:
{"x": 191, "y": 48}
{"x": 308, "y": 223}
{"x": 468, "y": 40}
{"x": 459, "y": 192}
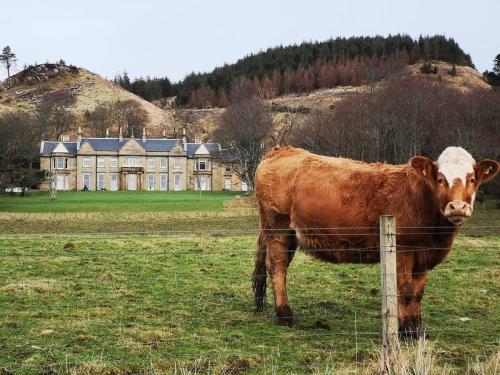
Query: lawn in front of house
{"x": 117, "y": 201}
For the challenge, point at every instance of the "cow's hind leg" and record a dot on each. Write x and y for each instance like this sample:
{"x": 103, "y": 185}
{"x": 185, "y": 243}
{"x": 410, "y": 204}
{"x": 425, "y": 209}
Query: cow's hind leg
{"x": 281, "y": 244}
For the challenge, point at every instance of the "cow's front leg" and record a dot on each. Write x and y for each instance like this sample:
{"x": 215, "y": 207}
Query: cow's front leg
{"x": 410, "y": 293}
{"x": 277, "y": 262}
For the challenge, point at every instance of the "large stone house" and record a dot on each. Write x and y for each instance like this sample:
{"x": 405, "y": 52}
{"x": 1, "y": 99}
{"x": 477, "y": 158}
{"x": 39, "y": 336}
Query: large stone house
{"x": 136, "y": 164}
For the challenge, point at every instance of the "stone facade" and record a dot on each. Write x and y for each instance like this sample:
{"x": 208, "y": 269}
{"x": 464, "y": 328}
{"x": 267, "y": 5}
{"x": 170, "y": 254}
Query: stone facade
{"x": 158, "y": 164}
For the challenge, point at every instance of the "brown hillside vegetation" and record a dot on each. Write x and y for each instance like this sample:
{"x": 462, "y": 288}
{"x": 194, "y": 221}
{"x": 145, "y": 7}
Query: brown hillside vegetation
{"x": 32, "y": 85}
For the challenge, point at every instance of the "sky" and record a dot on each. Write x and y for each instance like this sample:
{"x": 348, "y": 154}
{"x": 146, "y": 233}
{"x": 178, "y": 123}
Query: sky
{"x": 175, "y": 38}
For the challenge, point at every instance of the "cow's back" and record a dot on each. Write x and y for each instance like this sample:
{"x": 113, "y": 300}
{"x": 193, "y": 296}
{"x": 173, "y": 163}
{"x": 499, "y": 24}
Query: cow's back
{"x": 319, "y": 190}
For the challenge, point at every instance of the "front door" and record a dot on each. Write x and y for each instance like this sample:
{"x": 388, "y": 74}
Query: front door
{"x": 131, "y": 182}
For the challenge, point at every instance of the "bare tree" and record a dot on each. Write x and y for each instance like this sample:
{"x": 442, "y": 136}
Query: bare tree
{"x": 131, "y": 116}
{"x": 101, "y": 118}
{"x": 244, "y": 128}
{"x": 54, "y": 114}
{"x": 7, "y": 59}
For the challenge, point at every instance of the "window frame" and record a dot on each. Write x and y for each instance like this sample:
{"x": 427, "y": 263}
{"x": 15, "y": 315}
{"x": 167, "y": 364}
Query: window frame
{"x": 177, "y": 163}
{"x": 84, "y": 175}
{"x": 134, "y": 164}
{"x": 99, "y": 175}
{"x": 162, "y": 160}
{"x": 64, "y": 162}
{"x": 85, "y": 162}
{"x": 113, "y": 162}
{"x": 163, "y": 187}
{"x": 101, "y": 162}
{"x": 150, "y": 163}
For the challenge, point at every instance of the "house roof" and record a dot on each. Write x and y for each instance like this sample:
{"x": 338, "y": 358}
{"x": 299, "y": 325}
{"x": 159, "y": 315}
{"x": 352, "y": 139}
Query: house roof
{"x": 113, "y": 144}
{"x": 192, "y": 148}
{"x": 47, "y": 147}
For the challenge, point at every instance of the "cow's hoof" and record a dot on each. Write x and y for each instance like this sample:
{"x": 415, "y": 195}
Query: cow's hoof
{"x": 284, "y": 316}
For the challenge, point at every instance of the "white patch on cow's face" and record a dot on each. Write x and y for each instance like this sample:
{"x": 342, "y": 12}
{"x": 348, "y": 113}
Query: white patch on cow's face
{"x": 455, "y": 162}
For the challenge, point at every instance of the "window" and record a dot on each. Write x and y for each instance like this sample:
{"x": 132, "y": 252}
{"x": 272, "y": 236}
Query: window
{"x": 61, "y": 163}
{"x": 163, "y": 182}
{"x": 202, "y": 165}
{"x": 163, "y": 163}
{"x": 100, "y": 181}
{"x": 227, "y": 169}
{"x": 86, "y": 181}
{"x": 151, "y": 182}
{"x": 86, "y": 162}
{"x": 151, "y": 163}
{"x": 113, "y": 163}
{"x": 227, "y": 184}
{"x": 177, "y": 182}
{"x": 100, "y": 162}
{"x": 177, "y": 163}
{"x": 113, "y": 182}
{"x": 244, "y": 186}
{"x": 132, "y": 162}
{"x": 202, "y": 183}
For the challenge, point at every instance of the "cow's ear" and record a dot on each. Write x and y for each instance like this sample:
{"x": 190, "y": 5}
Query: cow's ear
{"x": 486, "y": 170}
{"x": 425, "y": 167}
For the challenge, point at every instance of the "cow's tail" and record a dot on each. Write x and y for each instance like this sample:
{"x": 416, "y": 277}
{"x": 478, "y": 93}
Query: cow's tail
{"x": 260, "y": 274}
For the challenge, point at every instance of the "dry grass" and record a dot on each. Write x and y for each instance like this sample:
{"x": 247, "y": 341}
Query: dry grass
{"x": 31, "y": 286}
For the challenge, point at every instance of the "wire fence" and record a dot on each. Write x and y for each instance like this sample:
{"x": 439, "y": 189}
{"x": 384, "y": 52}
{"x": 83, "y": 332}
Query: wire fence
{"x": 182, "y": 300}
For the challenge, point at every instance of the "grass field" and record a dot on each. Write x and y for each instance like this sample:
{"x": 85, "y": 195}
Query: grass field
{"x": 116, "y": 201}
{"x": 170, "y": 293}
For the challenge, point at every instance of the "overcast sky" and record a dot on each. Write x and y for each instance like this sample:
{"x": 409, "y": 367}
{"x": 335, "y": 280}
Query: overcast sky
{"x": 174, "y": 38}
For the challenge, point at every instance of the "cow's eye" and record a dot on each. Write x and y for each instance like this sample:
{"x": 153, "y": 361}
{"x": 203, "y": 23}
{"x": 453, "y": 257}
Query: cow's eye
{"x": 440, "y": 180}
{"x": 472, "y": 180}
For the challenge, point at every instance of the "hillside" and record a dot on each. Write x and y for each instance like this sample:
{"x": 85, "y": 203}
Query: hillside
{"x": 32, "y": 85}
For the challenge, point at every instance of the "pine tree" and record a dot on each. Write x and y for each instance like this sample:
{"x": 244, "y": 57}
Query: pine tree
{"x": 7, "y": 58}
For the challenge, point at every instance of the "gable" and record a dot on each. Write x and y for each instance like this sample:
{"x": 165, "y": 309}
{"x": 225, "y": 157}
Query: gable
{"x": 132, "y": 147}
{"x": 85, "y": 148}
{"x": 202, "y": 150}
{"x": 178, "y": 150}
{"x": 60, "y": 149}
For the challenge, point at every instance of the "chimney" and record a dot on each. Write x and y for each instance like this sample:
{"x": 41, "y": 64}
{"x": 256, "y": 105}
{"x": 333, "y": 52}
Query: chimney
{"x": 144, "y": 134}
{"x": 120, "y": 135}
{"x": 184, "y": 139}
{"x": 79, "y": 138}
{"x": 107, "y": 133}
{"x": 164, "y": 133}
{"x": 198, "y": 139}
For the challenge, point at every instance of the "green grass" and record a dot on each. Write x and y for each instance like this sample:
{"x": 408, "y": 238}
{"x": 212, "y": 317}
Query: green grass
{"x": 116, "y": 201}
{"x": 136, "y": 292}
{"x": 131, "y": 301}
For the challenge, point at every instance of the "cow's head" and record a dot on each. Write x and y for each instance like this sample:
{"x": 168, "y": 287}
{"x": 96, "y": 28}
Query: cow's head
{"x": 455, "y": 178}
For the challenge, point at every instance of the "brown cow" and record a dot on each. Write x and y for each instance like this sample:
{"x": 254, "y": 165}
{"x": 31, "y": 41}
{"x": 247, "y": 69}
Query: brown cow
{"x": 331, "y": 208}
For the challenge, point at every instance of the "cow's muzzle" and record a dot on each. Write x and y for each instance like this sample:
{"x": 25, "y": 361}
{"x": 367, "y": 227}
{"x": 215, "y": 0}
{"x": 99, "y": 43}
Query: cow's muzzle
{"x": 457, "y": 212}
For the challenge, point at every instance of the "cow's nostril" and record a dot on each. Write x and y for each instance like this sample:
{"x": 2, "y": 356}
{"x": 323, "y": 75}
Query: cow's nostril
{"x": 452, "y": 206}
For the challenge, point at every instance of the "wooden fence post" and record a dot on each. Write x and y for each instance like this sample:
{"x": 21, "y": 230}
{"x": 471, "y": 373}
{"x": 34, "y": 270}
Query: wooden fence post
{"x": 388, "y": 273}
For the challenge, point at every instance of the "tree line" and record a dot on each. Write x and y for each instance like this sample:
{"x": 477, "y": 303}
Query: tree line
{"x": 415, "y": 115}
{"x": 290, "y": 59}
